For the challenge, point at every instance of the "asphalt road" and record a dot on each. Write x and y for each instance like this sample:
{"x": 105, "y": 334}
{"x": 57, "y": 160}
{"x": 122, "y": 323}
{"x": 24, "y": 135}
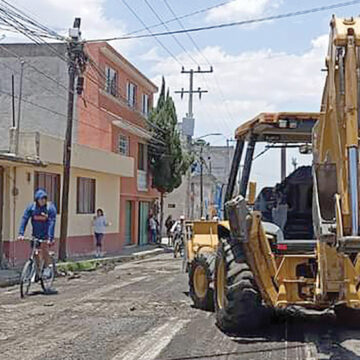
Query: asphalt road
{"x": 141, "y": 311}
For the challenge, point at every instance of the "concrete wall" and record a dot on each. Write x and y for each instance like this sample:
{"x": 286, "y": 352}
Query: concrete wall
{"x": 80, "y": 232}
{"x": 107, "y": 197}
{"x": 218, "y": 160}
{"x": 50, "y": 96}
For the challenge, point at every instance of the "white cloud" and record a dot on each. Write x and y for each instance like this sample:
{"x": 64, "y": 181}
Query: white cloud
{"x": 241, "y": 9}
{"x": 59, "y": 15}
{"x": 251, "y": 82}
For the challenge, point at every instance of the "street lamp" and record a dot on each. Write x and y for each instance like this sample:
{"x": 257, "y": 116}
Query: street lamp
{"x": 211, "y": 134}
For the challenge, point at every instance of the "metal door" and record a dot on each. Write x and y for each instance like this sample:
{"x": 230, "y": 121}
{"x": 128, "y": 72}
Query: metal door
{"x": 128, "y": 222}
{"x": 143, "y": 222}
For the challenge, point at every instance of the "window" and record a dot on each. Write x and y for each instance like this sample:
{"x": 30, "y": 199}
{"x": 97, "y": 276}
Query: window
{"x": 131, "y": 94}
{"x": 123, "y": 145}
{"x": 111, "y": 81}
{"x": 85, "y": 196}
{"x": 142, "y": 157}
{"x": 51, "y": 183}
{"x": 145, "y": 104}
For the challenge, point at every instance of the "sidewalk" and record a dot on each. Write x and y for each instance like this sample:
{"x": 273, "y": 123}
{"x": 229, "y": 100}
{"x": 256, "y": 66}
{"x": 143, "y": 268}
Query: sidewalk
{"x": 9, "y": 277}
{"x": 130, "y": 253}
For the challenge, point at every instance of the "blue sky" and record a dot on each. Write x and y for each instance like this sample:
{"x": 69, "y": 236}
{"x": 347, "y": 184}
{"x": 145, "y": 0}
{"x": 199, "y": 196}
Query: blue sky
{"x": 272, "y": 66}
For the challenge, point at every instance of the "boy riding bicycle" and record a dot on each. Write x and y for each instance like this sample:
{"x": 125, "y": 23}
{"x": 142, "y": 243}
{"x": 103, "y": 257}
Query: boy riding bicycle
{"x": 43, "y": 218}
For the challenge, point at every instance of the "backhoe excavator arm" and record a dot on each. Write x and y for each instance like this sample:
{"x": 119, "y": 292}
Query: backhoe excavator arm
{"x": 335, "y": 137}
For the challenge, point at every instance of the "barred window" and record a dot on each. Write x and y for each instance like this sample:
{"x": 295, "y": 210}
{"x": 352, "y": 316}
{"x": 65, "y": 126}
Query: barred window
{"x": 123, "y": 145}
{"x": 111, "y": 81}
{"x": 131, "y": 94}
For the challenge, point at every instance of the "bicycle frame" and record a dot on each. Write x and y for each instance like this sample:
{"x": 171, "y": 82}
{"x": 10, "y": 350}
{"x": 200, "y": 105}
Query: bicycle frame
{"x": 36, "y": 255}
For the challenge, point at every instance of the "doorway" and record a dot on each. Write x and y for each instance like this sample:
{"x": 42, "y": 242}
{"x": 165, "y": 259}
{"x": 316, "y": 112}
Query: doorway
{"x": 143, "y": 222}
{"x": 1, "y": 215}
{"x": 128, "y": 222}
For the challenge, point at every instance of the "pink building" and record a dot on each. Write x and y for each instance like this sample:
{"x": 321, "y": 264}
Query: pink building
{"x": 118, "y": 98}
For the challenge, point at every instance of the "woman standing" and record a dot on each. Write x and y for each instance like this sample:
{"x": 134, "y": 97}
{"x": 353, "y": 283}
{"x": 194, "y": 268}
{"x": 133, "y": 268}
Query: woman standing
{"x": 99, "y": 224}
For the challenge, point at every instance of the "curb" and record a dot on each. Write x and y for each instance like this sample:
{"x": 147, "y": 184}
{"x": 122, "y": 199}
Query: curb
{"x": 93, "y": 264}
{"x": 10, "y": 281}
{"x": 88, "y": 265}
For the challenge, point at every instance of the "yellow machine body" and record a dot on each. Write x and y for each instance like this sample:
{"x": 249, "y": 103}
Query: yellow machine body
{"x": 332, "y": 269}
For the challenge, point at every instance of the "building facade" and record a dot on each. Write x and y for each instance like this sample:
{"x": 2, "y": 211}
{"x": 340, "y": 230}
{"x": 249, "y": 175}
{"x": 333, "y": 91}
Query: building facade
{"x": 121, "y": 98}
{"x": 110, "y": 127}
{"x": 216, "y": 170}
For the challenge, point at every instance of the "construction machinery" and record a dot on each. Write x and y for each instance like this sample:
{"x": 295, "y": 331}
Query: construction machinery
{"x": 298, "y": 243}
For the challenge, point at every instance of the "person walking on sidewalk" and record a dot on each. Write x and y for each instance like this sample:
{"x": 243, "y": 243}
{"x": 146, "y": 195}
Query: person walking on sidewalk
{"x": 153, "y": 229}
{"x": 99, "y": 224}
{"x": 168, "y": 224}
{"x": 43, "y": 218}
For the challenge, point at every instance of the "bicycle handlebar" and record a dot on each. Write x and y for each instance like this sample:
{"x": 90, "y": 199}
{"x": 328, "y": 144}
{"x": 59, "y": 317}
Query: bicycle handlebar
{"x": 35, "y": 239}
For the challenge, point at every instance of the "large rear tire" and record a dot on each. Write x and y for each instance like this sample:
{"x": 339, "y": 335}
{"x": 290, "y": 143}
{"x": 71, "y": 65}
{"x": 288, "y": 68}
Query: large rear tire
{"x": 238, "y": 303}
{"x": 201, "y": 275}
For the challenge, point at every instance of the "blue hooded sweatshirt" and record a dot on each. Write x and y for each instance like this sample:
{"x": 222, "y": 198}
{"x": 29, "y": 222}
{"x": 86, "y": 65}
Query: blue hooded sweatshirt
{"x": 42, "y": 218}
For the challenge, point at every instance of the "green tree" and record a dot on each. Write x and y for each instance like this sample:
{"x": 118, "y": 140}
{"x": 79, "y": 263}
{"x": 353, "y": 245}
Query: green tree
{"x": 168, "y": 162}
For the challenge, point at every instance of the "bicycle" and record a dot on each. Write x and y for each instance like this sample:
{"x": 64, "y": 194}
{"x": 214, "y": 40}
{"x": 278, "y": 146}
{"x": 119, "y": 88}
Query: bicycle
{"x": 33, "y": 270}
{"x": 178, "y": 245}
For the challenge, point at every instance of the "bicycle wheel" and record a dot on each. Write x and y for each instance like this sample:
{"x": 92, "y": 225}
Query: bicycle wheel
{"x": 26, "y": 276}
{"x": 176, "y": 249}
{"x": 47, "y": 276}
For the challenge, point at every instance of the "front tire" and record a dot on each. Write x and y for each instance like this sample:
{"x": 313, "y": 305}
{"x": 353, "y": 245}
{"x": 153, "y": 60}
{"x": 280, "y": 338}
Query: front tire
{"x": 238, "y": 303}
{"x": 201, "y": 275}
{"x": 46, "y": 283}
{"x": 26, "y": 276}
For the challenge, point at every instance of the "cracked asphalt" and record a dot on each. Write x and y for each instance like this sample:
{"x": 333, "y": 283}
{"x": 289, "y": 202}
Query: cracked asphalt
{"x": 141, "y": 311}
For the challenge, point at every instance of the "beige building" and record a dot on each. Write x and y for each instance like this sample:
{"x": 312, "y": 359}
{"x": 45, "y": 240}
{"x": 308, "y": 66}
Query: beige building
{"x": 95, "y": 182}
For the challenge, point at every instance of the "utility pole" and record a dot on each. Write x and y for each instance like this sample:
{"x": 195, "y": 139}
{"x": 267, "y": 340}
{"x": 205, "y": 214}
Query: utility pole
{"x": 76, "y": 67}
{"x": 191, "y": 90}
{"x": 283, "y": 163}
{"x": 190, "y": 121}
{"x": 19, "y": 109}
{"x": 201, "y": 183}
{"x": 13, "y": 101}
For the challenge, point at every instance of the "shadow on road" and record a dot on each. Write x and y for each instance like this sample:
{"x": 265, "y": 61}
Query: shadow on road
{"x": 332, "y": 338}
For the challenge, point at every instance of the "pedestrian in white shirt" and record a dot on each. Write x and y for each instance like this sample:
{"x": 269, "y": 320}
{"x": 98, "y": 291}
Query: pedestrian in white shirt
{"x": 100, "y": 225}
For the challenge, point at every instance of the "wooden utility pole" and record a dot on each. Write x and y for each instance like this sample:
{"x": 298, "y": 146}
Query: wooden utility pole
{"x": 76, "y": 65}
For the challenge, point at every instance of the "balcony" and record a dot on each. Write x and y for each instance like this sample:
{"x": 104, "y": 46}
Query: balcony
{"x": 142, "y": 180}
{"x": 50, "y": 151}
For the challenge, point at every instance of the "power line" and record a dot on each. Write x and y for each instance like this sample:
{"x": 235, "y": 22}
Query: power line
{"x": 22, "y": 15}
{"x": 32, "y": 66}
{"x": 188, "y": 34}
{"x": 235, "y": 23}
{"x": 38, "y": 83}
{"x": 13, "y": 17}
{"x": 173, "y": 36}
{"x": 197, "y": 12}
{"x": 204, "y": 57}
{"x": 151, "y": 34}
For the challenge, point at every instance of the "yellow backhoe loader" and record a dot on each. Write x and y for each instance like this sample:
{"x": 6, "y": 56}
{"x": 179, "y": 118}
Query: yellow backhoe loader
{"x": 298, "y": 243}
